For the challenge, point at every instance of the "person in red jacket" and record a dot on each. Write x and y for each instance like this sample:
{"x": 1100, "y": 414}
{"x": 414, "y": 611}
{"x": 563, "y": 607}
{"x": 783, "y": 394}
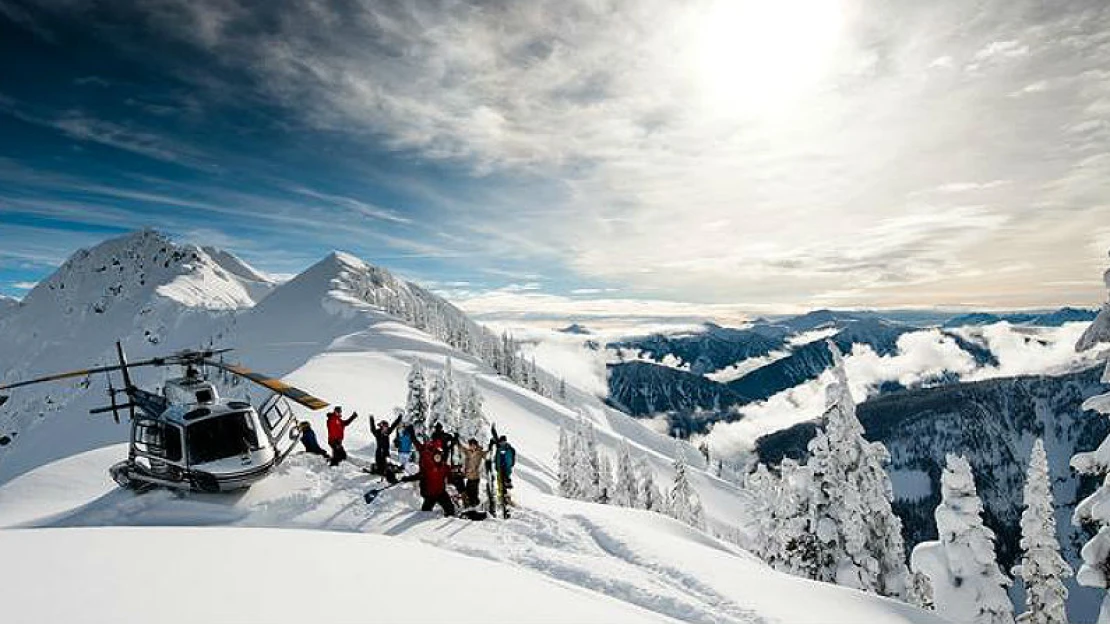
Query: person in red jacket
{"x": 433, "y": 480}
{"x": 336, "y": 427}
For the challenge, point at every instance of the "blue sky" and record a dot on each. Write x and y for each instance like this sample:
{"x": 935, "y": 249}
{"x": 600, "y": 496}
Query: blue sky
{"x": 615, "y": 158}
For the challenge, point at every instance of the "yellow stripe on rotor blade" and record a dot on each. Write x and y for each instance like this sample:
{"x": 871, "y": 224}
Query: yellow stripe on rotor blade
{"x": 280, "y": 387}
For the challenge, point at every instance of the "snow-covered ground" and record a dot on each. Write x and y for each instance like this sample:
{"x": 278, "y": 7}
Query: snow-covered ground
{"x": 555, "y": 560}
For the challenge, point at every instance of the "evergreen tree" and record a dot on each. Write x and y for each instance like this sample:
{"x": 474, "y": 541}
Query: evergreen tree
{"x": 565, "y": 461}
{"x": 649, "y": 497}
{"x": 921, "y": 592}
{"x": 966, "y": 582}
{"x": 472, "y": 419}
{"x": 1042, "y": 568}
{"x": 589, "y": 464}
{"x": 683, "y": 502}
{"x": 416, "y": 406}
{"x": 859, "y": 537}
{"x": 444, "y": 407}
{"x": 792, "y": 543}
{"x": 1095, "y": 509}
{"x": 626, "y": 491}
{"x": 605, "y": 480}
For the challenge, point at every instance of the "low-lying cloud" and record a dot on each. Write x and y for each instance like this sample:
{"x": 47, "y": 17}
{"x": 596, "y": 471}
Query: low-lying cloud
{"x": 922, "y": 357}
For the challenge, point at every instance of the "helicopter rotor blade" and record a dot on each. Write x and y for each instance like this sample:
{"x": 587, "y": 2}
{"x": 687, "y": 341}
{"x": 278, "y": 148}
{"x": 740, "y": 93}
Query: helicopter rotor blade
{"x": 173, "y": 360}
{"x": 59, "y": 376}
{"x": 280, "y": 387}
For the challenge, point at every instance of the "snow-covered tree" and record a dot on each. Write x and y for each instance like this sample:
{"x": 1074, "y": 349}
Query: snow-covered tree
{"x": 564, "y": 459}
{"x": 472, "y": 419}
{"x": 590, "y": 461}
{"x": 859, "y": 538}
{"x": 920, "y": 593}
{"x": 967, "y": 584}
{"x": 605, "y": 480}
{"x": 444, "y": 407}
{"x": 579, "y": 463}
{"x": 762, "y": 486}
{"x": 626, "y": 490}
{"x": 1042, "y": 568}
{"x": 790, "y": 542}
{"x": 1095, "y": 509}
{"x": 649, "y": 497}
{"x": 416, "y": 406}
{"x": 683, "y": 502}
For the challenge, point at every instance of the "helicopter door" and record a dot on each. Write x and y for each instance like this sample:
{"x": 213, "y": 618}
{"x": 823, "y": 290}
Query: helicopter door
{"x": 280, "y": 425}
{"x": 156, "y": 447}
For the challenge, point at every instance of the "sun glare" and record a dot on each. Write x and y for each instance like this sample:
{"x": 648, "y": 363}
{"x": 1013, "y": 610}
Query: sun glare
{"x": 751, "y": 56}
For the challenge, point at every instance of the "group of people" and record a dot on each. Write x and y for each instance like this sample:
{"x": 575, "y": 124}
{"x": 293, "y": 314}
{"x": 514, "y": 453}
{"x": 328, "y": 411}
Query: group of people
{"x": 435, "y": 461}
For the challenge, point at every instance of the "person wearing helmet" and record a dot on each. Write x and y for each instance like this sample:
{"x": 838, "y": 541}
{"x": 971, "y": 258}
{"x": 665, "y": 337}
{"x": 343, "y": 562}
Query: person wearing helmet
{"x": 308, "y": 439}
{"x": 337, "y": 425}
{"x": 433, "y": 480}
{"x": 381, "y": 450}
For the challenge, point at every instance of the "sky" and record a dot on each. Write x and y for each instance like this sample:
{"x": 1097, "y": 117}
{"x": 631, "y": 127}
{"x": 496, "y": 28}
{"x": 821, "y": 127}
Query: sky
{"x": 577, "y": 158}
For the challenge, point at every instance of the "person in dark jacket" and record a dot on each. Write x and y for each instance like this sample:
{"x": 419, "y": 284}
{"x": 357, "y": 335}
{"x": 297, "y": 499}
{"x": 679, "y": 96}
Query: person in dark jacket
{"x": 308, "y": 439}
{"x": 433, "y": 480}
{"x": 381, "y": 451}
{"x": 336, "y": 428}
{"x": 505, "y": 460}
{"x": 440, "y": 436}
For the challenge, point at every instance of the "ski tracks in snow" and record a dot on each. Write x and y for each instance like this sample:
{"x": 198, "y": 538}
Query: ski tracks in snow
{"x": 578, "y": 551}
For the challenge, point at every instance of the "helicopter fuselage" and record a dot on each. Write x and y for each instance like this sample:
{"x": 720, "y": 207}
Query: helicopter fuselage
{"x": 191, "y": 438}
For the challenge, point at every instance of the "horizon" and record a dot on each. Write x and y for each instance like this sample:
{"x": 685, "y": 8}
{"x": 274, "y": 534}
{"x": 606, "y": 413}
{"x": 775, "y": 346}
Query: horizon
{"x": 664, "y": 316}
{"x": 722, "y": 159}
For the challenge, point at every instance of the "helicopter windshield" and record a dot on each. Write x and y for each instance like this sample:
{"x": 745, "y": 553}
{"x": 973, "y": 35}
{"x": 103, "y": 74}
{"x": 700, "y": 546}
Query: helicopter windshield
{"x": 221, "y": 437}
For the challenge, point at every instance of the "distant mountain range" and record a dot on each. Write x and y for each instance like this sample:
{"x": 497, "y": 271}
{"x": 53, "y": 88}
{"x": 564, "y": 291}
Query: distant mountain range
{"x": 993, "y": 423}
{"x": 786, "y": 352}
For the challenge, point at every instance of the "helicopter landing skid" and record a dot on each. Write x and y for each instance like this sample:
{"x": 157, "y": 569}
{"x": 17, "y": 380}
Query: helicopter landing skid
{"x": 130, "y": 477}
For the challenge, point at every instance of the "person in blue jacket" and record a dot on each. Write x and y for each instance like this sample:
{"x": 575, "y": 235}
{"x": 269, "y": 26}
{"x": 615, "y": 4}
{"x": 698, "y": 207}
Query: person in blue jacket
{"x": 405, "y": 448}
{"x": 506, "y": 459}
{"x": 308, "y": 439}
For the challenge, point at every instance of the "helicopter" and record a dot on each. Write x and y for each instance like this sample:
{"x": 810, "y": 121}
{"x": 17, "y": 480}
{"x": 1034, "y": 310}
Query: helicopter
{"x": 188, "y": 437}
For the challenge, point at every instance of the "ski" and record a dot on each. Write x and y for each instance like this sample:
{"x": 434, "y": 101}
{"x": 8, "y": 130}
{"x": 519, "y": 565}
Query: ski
{"x": 502, "y": 495}
{"x": 491, "y": 450}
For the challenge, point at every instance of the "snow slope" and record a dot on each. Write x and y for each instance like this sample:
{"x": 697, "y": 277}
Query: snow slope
{"x": 571, "y": 561}
{"x": 345, "y": 570}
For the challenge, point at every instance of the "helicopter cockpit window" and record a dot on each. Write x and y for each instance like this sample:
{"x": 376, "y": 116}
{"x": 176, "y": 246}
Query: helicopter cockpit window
{"x": 221, "y": 437}
{"x": 158, "y": 439}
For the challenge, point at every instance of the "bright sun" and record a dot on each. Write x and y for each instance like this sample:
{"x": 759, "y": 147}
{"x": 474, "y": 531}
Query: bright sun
{"x": 751, "y": 56}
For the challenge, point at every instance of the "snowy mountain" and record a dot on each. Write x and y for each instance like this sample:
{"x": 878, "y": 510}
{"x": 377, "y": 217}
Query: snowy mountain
{"x": 706, "y": 351}
{"x": 349, "y": 333}
{"x": 155, "y": 295}
{"x": 644, "y": 389}
{"x": 8, "y": 305}
{"x": 1053, "y": 318}
{"x": 993, "y": 423}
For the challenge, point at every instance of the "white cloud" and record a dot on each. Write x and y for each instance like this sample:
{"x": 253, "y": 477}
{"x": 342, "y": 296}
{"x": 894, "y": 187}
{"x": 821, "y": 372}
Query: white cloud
{"x": 921, "y": 356}
{"x": 24, "y": 285}
{"x": 773, "y": 167}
